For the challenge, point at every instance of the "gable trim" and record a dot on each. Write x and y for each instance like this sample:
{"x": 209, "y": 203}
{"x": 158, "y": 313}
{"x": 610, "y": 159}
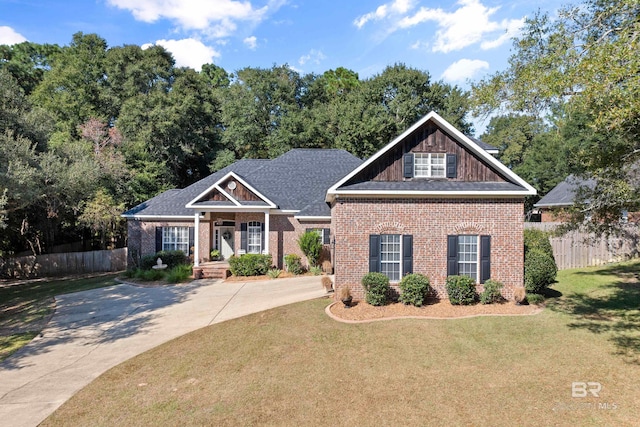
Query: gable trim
{"x": 458, "y": 136}
{"x": 217, "y": 186}
{"x": 225, "y": 194}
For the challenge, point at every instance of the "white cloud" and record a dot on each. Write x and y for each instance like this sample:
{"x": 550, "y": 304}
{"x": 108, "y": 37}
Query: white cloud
{"x": 188, "y": 52}
{"x": 9, "y": 36}
{"x": 467, "y": 25}
{"x": 464, "y": 69}
{"x": 396, "y": 7}
{"x": 251, "y": 42}
{"x": 215, "y": 18}
{"x": 419, "y": 45}
{"x": 314, "y": 56}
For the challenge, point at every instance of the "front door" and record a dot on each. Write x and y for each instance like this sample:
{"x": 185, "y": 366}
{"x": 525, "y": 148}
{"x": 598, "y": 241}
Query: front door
{"x": 226, "y": 241}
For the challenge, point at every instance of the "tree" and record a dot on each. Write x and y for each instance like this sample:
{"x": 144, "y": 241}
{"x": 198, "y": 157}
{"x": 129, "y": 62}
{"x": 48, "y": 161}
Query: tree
{"x": 311, "y": 246}
{"x": 102, "y": 215}
{"x": 585, "y": 63}
{"x": 28, "y": 62}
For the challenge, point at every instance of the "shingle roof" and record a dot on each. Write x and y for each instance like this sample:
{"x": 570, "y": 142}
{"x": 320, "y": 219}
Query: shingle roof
{"x": 297, "y": 179}
{"x": 433, "y": 185}
{"x": 482, "y": 144}
{"x": 564, "y": 193}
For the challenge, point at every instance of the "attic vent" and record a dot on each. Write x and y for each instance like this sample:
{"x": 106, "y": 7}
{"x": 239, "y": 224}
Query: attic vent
{"x": 231, "y": 185}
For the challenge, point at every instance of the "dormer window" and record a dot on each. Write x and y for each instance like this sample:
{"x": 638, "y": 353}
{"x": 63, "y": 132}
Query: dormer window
{"x": 429, "y": 165}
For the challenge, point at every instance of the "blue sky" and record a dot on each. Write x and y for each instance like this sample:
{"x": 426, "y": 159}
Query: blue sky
{"x": 455, "y": 42}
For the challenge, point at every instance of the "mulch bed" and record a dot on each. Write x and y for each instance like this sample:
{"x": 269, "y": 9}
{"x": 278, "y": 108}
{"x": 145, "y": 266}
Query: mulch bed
{"x": 441, "y": 309}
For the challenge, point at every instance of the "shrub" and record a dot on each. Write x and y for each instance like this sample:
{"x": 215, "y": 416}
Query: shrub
{"x": 461, "y": 290}
{"x": 535, "y": 299}
{"x": 129, "y": 273}
{"x": 315, "y": 270}
{"x": 150, "y": 275}
{"x": 311, "y": 246}
{"x": 415, "y": 288}
{"x": 171, "y": 258}
{"x": 274, "y": 273}
{"x": 327, "y": 284}
{"x": 250, "y": 264}
{"x": 491, "y": 293}
{"x": 179, "y": 274}
{"x": 376, "y": 286}
{"x": 293, "y": 264}
{"x": 539, "y": 271}
{"x": 535, "y": 239}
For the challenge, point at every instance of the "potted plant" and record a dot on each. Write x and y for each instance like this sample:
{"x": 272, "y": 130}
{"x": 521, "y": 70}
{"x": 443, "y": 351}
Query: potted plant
{"x": 215, "y": 255}
{"x": 345, "y": 296}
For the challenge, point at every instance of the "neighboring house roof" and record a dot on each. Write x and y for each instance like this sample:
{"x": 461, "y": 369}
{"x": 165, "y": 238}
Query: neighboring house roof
{"x": 486, "y": 147}
{"x": 515, "y": 186}
{"x": 564, "y": 193}
{"x": 295, "y": 181}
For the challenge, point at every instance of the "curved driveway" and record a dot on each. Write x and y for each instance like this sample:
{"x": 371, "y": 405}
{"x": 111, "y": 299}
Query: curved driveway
{"x": 94, "y": 330}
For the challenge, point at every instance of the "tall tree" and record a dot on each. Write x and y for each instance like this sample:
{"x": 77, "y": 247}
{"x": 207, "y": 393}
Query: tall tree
{"x": 28, "y": 62}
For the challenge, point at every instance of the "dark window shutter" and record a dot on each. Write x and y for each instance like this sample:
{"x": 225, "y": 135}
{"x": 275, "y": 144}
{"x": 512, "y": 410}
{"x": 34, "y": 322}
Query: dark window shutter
{"x": 408, "y": 165}
{"x": 407, "y": 254}
{"x": 452, "y": 255}
{"x": 452, "y": 166}
{"x": 374, "y": 253}
{"x": 485, "y": 258}
{"x": 326, "y": 236}
{"x": 191, "y": 239}
{"x": 262, "y": 235}
{"x": 243, "y": 236}
{"x": 158, "y": 239}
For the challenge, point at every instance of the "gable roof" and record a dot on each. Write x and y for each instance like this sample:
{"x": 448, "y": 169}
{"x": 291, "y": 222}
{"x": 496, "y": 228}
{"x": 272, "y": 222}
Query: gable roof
{"x": 564, "y": 193}
{"x": 294, "y": 181}
{"x": 519, "y": 186}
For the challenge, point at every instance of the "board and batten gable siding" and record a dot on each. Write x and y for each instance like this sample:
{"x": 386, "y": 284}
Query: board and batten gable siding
{"x": 428, "y": 138}
{"x": 240, "y": 193}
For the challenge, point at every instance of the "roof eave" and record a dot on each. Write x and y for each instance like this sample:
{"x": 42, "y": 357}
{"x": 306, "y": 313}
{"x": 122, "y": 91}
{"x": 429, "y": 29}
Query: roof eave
{"x": 410, "y": 193}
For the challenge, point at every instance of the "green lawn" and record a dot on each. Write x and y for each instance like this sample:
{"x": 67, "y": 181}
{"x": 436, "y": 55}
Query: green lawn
{"x": 295, "y": 366}
{"x": 25, "y": 308}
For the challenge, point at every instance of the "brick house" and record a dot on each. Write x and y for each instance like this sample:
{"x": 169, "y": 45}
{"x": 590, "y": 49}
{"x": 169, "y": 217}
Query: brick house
{"x": 432, "y": 201}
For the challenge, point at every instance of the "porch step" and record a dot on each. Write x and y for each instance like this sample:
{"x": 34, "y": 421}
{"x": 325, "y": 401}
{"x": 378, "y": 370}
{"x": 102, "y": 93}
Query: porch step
{"x": 213, "y": 271}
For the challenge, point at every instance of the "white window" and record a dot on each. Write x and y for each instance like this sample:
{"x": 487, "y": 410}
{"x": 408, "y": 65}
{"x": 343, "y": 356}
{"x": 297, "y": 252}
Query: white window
{"x": 429, "y": 165}
{"x": 254, "y": 237}
{"x": 175, "y": 239}
{"x": 390, "y": 256}
{"x": 468, "y": 256}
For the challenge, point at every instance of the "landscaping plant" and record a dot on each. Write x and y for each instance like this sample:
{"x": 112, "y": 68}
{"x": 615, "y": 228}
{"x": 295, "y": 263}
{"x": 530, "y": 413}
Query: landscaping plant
{"x": 377, "y": 289}
{"x": 179, "y": 274}
{"x": 311, "y": 246}
{"x": 415, "y": 288}
{"x": 250, "y": 264}
{"x": 292, "y": 264}
{"x": 461, "y": 290}
{"x": 274, "y": 273}
{"x": 539, "y": 271}
{"x": 491, "y": 293}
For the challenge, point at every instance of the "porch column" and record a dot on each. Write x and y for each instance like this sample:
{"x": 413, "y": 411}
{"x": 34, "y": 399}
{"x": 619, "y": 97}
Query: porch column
{"x": 266, "y": 232}
{"x": 196, "y": 240}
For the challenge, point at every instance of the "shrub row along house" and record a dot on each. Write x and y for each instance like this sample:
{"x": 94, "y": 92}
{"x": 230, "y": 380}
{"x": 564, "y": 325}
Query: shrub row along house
{"x": 432, "y": 201}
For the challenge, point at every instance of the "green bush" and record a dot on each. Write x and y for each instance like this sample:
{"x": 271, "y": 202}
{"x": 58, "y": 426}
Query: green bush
{"x": 461, "y": 290}
{"x": 171, "y": 258}
{"x": 539, "y": 271}
{"x": 293, "y": 264}
{"x": 274, "y": 273}
{"x": 179, "y": 274}
{"x": 250, "y": 264}
{"x": 415, "y": 288}
{"x": 491, "y": 293}
{"x": 376, "y": 286}
{"x": 150, "y": 275}
{"x": 535, "y": 299}
{"x": 535, "y": 239}
{"x": 129, "y": 273}
{"x": 315, "y": 270}
{"x": 311, "y": 246}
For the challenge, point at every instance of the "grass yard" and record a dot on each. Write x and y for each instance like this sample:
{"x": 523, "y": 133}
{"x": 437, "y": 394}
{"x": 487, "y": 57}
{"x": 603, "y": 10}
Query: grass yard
{"x": 26, "y": 308}
{"x": 295, "y": 366}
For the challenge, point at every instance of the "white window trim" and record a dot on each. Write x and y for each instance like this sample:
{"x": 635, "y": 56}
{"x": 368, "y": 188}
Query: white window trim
{"x": 430, "y": 157}
{"x": 251, "y": 232}
{"x": 399, "y": 262}
{"x": 478, "y": 255}
{"x": 173, "y": 237}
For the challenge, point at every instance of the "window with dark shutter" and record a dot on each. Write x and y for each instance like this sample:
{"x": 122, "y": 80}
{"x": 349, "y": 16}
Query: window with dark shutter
{"x": 452, "y": 166}
{"x": 158, "y": 239}
{"x": 452, "y": 255}
{"x": 485, "y": 258}
{"x": 263, "y": 236}
{"x": 374, "y": 253}
{"x": 191, "y": 240}
{"x": 408, "y": 165}
{"x": 243, "y": 236}
{"x": 326, "y": 236}
{"x": 407, "y": 254}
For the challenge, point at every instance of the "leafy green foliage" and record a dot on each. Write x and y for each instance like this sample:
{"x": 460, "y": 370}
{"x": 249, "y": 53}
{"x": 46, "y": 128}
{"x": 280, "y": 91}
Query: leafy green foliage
{"x": 491, "y": 293}
{"x": 274, "y": 273}
{"x": 178, "y": 274}
{"x": 535, "y": 299}
{"x": 311, "y": 246}
{"x": 250, "y": 264}
{"x": 461, "y": 290}
{"x": 539, "y": 271}
{"x": 315, "y": 270}
{"x": 415, "y": 288}
{"x": 377, "y": 289}
{"x": 292, "y": 264}
{"x": 537, "y": 239}
{"x": 170, "y": 258}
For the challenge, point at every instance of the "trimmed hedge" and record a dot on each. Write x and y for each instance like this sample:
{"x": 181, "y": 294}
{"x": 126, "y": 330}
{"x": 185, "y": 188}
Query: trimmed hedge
{"x": 539, "y": 271}
{"x": 461, "y": 290}
{"x": 376, "y": 286}
{"x": 171, "y": 258}
{"x": 292, "y": 264}
{"x": 535, "y": 239}
{"x": 250, "y": 264}
{"x": 491, "y": 293}
{"x": 415, "y": 288}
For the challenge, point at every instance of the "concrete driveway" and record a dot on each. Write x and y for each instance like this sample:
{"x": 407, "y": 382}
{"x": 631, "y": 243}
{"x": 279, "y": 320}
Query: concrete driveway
{"x": 94, "y": 330}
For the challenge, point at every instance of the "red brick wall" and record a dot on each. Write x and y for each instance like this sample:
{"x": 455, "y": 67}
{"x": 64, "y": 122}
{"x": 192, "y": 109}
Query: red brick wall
{"x": 430, "y": 221}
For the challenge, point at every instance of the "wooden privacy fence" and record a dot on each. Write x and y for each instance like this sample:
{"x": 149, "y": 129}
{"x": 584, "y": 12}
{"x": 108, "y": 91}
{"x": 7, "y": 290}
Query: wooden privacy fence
{"x": 577, "y": 250}
{"x": 63, "y": 264}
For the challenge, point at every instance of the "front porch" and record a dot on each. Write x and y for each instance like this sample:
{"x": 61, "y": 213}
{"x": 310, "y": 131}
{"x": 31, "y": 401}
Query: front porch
{"x": 212, "y": 270}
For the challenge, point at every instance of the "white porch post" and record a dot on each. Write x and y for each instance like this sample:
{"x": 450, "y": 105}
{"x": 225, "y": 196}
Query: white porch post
{"x": 196, "y": 240}
{"x": 266, "y": 232}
